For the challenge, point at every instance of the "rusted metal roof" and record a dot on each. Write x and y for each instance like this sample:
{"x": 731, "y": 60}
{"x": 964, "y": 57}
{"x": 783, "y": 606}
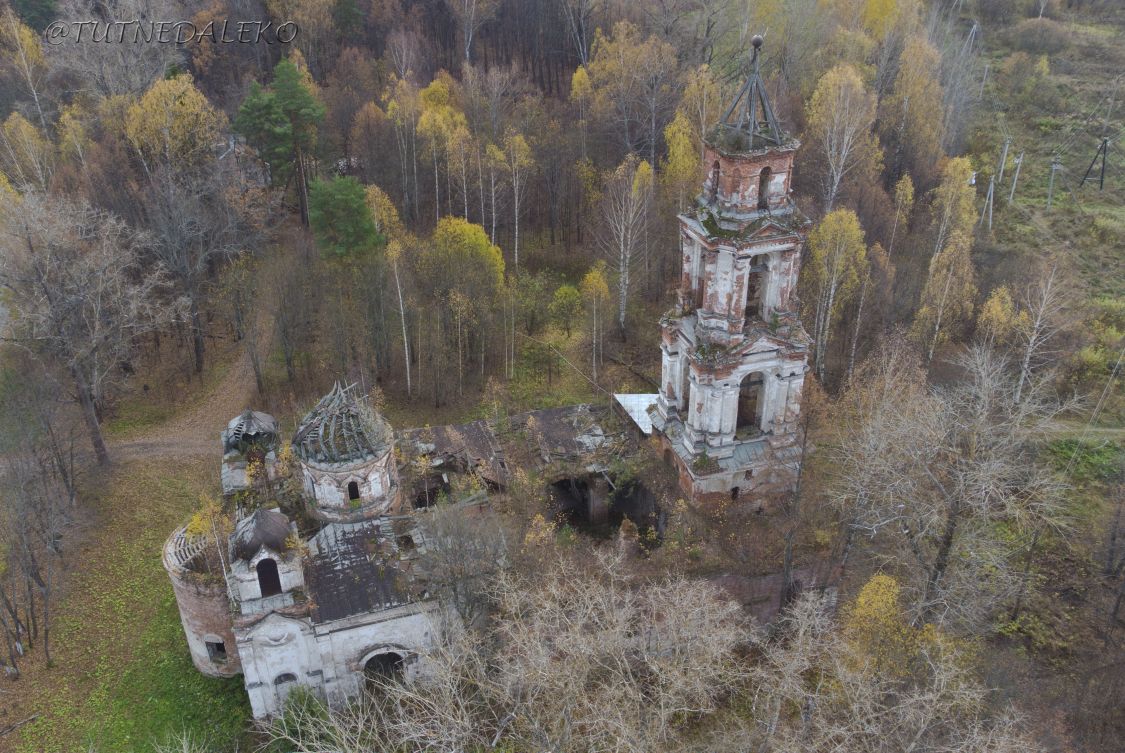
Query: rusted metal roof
{"x": 353, "y": 568}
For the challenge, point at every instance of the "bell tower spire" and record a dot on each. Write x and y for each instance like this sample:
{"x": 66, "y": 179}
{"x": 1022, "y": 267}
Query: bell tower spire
{"x": 734, "y": 352}
{"x": 749, "y": 118}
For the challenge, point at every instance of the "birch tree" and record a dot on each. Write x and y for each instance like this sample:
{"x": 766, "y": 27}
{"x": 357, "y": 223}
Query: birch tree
{"x": 625, "y": 202}
{"x": 904, "y": 205}
{"x": 831, "y": 274}
{"x": 595, "y": 290}
{"x": 517, "y": 161}
{"x": 21, "y": 49}
{"x": 948, "y": 296}
{"x": 840, "y": 117}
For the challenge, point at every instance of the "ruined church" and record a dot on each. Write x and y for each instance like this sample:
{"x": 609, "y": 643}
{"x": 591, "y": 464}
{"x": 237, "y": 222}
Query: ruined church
{"x": 335, "y": 591}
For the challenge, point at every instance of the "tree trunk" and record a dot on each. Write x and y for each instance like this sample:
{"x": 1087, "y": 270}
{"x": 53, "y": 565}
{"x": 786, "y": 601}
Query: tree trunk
{"x": 196, "y": 335}
{"x": 90, "y": 416}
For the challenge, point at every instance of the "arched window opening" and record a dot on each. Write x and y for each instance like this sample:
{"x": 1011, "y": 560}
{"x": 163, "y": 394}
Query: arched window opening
{"x": 353, "y": 490}
{"x": 284, "y": 678}
{"x": 749, "y": 405}
{"x": 382, "y": 667}
{"x": 269, "y": 581}
{"x": 668, "y": 459}
{"x": 714, "y": 181}
{"x": 753, "y": 292}
{"x": 764, "y": 188}
{"x": 734, "y": 493}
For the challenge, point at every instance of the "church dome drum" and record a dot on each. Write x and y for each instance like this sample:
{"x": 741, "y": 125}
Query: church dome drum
{"x": 346, "y": 451}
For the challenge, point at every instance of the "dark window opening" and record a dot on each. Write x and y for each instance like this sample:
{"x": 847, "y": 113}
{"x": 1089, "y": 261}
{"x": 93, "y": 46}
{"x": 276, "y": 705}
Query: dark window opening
{"x": 734, "y": 493}
{"x": 668, "y": 459}
{"x": 764, "y": 189}
{"x": 269, "y": 581}
{"x": 749, "y": 407}
{"x": 753, "y": 294}
{"x": 284, "y": 678}
{"x": 216, "y": 651}
{"x": 353, "y": 490}
{"x": 406, "y": 542}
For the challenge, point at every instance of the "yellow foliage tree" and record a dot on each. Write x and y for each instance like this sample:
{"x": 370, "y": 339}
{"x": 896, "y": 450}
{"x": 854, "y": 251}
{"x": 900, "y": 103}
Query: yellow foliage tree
{"x": 912, "y": 116}
{"x": 681, "y": 167}
{"x": 947, "y": 298}
{"x": 879, "y": 16}
{"x": 26, "y": 156}
{"x": 595, "y": 290}
{"x": 837, "y": 255}
{"x": 841, "y": 114}
{"x": 21, "y": 49}
{"x": 173, "y": 123}
{"x": 998, "y": 320}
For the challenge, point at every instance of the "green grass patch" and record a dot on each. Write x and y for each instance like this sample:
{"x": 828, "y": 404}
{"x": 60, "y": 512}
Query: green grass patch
{"x": 122, "y": 678}
{"x": 1089, "y": 462}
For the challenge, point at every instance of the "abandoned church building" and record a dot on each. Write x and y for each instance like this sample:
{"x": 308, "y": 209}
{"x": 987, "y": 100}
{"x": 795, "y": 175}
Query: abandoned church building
{"x": 338, "y": 590}
{"x": 335, "y": 588}
{"x": 734, "y": 353}
{"x": 322, "y": 607}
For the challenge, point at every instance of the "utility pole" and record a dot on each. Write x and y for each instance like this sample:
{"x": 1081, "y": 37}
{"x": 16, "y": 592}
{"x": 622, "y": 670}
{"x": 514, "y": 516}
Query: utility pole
{"x": 1003, "y": 160}
{"x": 987, "y": 208}
{"x": 1055, "y": 165}
{"x": 983, "y": 80}
{"x": 1103, "y": 148}
{"x": 1016, "y": 177}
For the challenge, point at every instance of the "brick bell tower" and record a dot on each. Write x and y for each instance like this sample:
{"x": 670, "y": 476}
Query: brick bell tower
{"x": 734, "y": 352}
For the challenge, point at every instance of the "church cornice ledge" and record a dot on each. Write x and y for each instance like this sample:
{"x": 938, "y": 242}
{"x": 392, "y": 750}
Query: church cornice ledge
{"x": 737, "y": 146}
{"x": 296, "y": 611}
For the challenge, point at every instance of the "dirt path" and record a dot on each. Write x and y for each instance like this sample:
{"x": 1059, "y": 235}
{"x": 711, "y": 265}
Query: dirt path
{"x": 195, "y": 431}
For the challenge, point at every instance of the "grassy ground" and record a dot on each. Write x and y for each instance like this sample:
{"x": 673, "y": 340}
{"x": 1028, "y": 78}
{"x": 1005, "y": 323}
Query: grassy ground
{"x": 122, "y": 677}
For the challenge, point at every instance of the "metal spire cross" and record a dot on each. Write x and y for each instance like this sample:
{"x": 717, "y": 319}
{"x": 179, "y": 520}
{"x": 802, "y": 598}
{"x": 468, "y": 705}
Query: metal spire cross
{"x": 748, "y": 121}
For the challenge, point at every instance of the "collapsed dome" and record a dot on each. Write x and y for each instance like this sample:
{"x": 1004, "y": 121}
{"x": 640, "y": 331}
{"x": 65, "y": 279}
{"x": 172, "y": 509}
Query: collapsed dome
{"x": 248, "y": 429}
{"x": 263, "y": 528}
{"x": 341, "y": 429}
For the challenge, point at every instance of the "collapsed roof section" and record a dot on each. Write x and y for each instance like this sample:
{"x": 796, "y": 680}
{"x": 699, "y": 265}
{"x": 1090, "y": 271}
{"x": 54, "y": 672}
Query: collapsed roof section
{"x": 249, "y": 428}
{"x": 340, "y": 429}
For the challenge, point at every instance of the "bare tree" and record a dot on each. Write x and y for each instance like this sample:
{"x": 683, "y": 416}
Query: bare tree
{"x": 1043, "y": 304}
{"x": 930, "y": 472}
{"x": 816, "y": 690}
{"x": 195, "y": 225}
{"x": 470, "y": 14}
{"x": 465, "y": 555}
{"x": 80, "y": 297}
{"x": 573, "y": 665}
{"x": 126, "y": 57}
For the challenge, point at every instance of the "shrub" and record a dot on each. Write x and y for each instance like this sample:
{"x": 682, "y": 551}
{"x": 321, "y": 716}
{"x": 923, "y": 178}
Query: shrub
{"x": 1040, "y": 36}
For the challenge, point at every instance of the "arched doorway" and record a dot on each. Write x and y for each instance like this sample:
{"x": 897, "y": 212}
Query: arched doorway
{"x": 764, "y": 188}
{"x": 353, "y": 490}
{"x": 749, "y": 405}
{"x": 382, "y": 667}
{"x": 269, "y": 581}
